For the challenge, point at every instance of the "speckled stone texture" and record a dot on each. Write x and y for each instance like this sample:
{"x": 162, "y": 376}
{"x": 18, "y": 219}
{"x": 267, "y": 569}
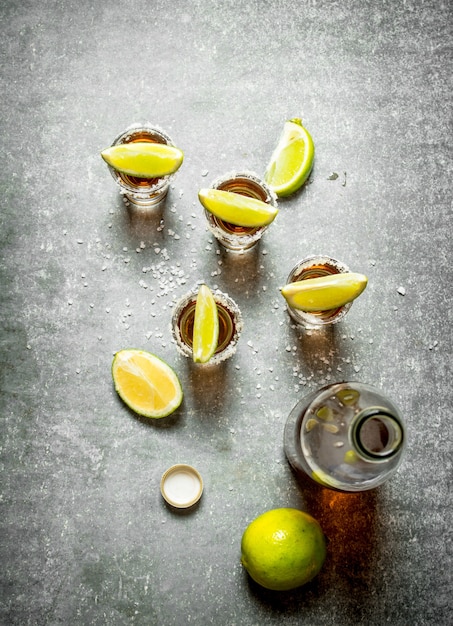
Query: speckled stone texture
{"x": 86, "y": 538}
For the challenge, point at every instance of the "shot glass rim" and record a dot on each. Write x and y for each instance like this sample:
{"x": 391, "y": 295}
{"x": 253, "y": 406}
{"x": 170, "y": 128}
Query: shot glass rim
{"x": 247, "y": 174}
{"x": 222, "y": 298}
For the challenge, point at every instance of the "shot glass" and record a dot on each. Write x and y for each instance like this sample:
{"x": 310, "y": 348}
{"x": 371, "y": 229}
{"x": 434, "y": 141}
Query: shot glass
{"x": 314, "y": 267}
{"x": 230, "y": 325}
{"x": 240, "y": 238}
{"x": 142, "y": 192}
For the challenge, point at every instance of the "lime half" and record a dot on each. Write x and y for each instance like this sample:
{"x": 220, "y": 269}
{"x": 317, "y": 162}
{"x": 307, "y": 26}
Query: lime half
{"x": 206, "y": 326}
{"x": 325, "y": 292}
{"x": 237, "y": 209}
{"x": 144, "y": 159}
{"x": 292, "y": 160}
{"x": 147, "y": 384}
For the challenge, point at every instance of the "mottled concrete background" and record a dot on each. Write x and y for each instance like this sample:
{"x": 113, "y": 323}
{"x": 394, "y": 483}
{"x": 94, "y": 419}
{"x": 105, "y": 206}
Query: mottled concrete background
{"x": 85, "y": 535}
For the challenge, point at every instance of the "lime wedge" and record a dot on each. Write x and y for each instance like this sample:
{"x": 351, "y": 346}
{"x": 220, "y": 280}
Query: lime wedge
{"x": 292, "y": 160}
{"x": 146, "y": 383}
{"x": 205, "y": 326}
{"x": 144, "y": 159}
{"x": 237, "y": 209}
{"x": 325, "y": 292}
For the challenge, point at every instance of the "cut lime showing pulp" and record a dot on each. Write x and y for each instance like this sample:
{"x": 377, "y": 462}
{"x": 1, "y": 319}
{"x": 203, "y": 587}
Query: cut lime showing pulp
{"x": 206, "y": 326}
{"x": 146, "y": 383}
{"x": 237, "y": 209}
{"x": 144, "y": 159}
{"x": 292, "y": 160}
{"x": 325, "y": 292}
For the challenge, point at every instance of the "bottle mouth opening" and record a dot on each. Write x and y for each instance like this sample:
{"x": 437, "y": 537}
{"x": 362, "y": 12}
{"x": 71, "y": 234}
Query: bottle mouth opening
{"x": 377, "y": 434}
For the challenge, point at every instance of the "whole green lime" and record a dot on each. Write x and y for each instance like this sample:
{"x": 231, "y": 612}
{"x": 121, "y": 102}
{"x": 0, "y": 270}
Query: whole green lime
{"x": 283, "y": 549}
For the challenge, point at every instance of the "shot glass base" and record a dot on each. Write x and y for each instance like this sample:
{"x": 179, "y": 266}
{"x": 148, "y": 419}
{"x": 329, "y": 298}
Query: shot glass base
{"x": 232, "y": 238}
{"x": 152, "y": 201}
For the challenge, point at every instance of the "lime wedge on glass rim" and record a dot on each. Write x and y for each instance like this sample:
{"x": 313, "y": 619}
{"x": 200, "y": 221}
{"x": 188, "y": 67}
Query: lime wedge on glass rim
{"x": 237, "y": 209}
{"x": 292, "y": 160}
{"x": 144, "y": 159}
{"x": 205, "y": 326}
{"x": 325, "y": 292}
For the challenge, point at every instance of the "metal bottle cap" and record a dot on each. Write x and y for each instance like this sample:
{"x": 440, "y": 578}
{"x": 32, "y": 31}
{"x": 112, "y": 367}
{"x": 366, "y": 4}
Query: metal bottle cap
{"x": 181, "y": 486}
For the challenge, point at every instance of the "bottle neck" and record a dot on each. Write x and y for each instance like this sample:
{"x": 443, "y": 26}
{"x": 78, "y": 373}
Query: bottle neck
{"x": 377, "y": 434}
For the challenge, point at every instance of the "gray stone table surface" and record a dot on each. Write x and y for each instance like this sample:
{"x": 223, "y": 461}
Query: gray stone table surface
{"x": 86, "y": 537}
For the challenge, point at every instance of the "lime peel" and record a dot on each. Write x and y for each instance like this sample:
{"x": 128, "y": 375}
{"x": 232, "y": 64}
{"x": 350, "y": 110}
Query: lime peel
{"x": 144, "y": 159}
{"x": 236, "y": 208}
{"x": 292, "y": 160}
{"x": 324, "y": 292}
{"x": 206, "y": 326}
{"x": 283, "y": 549}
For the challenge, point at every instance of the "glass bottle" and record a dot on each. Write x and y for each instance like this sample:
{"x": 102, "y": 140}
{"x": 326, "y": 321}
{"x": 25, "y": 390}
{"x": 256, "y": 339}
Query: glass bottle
{"x": 346, "y": 436}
